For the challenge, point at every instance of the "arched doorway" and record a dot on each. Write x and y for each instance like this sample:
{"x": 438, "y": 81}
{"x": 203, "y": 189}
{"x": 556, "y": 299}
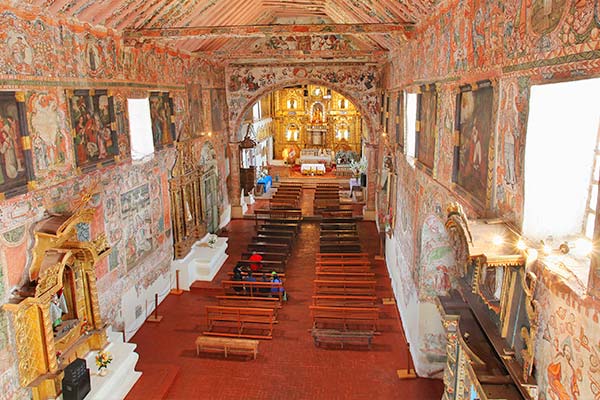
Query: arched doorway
{"x": 209, "y": 187}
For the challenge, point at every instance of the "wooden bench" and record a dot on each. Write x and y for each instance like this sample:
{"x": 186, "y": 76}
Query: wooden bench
{"x": 338, "y": 226}
{"x": 348, "y": 247}
{"x": 344, "y": 301}
{"x": 339, "y": 238}
{"x": 250, "y": 302}
{"x": 253, "y": 289}
{"x": 280, "y": 227}
{"x": 343, "y": 268}
{"x": 345, "y": 276}
{"x": 344, "y": 262}
{"x": 227, "y": 346}
{"x": 259, "y": 275}
{"x": 346, "y": 288}
{"x": 276, "y": 232}
{"x": 340, "y": 220}
{"x": 341, "y": 338}
{"x": 341, "y": 256}
{"x": 336, "y": 212}
{"x": 253, "y": 323}
{"x": 264, "y": 265}
{"x": 345, "y": 318}
{"x": 267, "y": 256}
{"x": 264, "y": 238}
{"x": 274, "y": 203}
{"x": 269, "y": 247}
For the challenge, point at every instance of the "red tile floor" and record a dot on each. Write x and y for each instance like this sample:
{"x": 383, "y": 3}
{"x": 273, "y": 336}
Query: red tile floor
{"x": 289, "y": 366}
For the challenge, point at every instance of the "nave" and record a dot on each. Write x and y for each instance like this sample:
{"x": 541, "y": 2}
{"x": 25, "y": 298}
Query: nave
{"x": 287, "y": 367}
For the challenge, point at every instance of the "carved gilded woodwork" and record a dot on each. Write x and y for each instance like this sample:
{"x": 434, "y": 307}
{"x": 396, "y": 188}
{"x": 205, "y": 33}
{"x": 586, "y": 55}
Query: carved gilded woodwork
{"x": 61, "y": 264}
{"x": 495, "y": 301}
{"x": 185, "y": 192}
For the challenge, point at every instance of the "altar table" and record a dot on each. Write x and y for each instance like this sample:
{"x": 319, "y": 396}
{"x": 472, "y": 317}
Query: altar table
{"x": 318, "y": 169}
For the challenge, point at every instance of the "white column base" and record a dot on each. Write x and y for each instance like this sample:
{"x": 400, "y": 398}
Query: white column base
{"x": 121, "y": 374}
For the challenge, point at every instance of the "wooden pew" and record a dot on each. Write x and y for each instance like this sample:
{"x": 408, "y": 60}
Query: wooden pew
{"x": 250, "y": 302}
{"x": 346, "y": 288}
{"x": 276, "y": 232}
{"x": 338, "y": 226}
{"x": 344, "y": 301}
{"x": 339, "y": 220}
{"x": 265, "y": 265}
{"x": 344, "y": 268}
{"x": 254, "y": 323}
{"x": 253, "y": 289}
{"x": 269, "y": 247}
{"x": 345, "y": 318}
{"x": 290, "y": 227}
{"x": 336, "y": 212}
{"x": 267, "y": 256}
{"x": 227, "y": 346}
{"x": 333, "y": 336}
{"x": 344, "y": 276}
{"x": 262, "y": 238}
{"x": 259, "y": 275}
{"x": 348, "y": 247}
{"x": 344, "y": 262}
{"x": 346, "y": 238}
{"x": 341, "y": 256}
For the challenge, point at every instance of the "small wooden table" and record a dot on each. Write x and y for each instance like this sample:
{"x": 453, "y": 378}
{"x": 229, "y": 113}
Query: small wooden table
{"x": 227, "y": 345}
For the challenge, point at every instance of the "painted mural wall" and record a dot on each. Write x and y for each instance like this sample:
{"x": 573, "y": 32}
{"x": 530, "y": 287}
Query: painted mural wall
{"x": 44, "y": 60}
{"x": 514, "y": 45}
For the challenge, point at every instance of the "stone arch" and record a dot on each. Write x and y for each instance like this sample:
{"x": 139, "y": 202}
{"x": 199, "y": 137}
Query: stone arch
{"x": 357, "y": 83}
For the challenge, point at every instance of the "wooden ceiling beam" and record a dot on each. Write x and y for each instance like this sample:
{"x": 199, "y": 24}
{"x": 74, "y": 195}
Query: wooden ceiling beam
{"x": 240, "y": 31}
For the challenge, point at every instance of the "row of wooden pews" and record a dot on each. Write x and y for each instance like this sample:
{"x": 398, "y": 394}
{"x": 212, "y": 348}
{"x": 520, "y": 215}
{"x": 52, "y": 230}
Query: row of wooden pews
{"x": 249, "y": 309}
{"x": 287, "y": 195}
{"x": 344, "y": 304}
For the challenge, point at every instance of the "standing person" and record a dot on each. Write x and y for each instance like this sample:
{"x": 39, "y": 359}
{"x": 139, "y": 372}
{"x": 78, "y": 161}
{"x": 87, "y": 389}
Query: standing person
{"x": 257, "y": 258}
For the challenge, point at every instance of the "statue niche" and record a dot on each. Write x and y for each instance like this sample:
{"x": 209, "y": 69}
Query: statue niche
{"x": 56, "y": 315}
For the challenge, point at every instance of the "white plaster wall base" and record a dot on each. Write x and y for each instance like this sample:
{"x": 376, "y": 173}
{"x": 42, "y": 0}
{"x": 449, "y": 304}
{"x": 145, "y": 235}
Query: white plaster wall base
{"x": 121, "y": 374}
{"x": 202, "y": 263}
{"x": 225, "y": 216}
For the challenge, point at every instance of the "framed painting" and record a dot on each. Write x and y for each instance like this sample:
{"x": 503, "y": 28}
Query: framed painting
{"x": 217, "y": 110}
{"x": 426, "y": 132}
{"x": 162, "y": 118}
{"x": 16, "y": 168}
{"x": 399, "y": 120}
{"x": 474, "y": 108}
{"x": 92, "y": 122}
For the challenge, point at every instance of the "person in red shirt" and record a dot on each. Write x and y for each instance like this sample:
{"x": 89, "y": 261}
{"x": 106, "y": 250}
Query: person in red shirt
{"x": 255, "y": 257}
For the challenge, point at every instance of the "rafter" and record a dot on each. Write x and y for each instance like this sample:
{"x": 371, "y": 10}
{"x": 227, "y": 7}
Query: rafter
{"x": 240, "y": 31}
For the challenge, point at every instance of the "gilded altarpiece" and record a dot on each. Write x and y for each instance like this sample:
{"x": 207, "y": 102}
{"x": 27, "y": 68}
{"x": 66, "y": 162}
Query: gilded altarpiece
{"x": 62, "y": 271}
{"x": 185, "y": 189}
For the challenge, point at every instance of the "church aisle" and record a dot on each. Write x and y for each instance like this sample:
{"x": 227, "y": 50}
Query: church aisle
{"x": 287, "y": 367}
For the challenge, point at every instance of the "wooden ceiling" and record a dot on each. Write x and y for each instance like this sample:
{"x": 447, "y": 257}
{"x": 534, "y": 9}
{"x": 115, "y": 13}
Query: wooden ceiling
{"x": 258, "y": 30}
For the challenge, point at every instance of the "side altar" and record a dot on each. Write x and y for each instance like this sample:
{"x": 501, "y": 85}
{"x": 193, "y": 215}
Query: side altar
{"x": 202, "y": 262}
{"x": 56, "y": 314}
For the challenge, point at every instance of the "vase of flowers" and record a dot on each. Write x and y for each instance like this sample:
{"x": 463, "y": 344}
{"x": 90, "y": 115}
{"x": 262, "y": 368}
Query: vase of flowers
{"x": 102, "y": 360}
{"x": 212, "y": 240}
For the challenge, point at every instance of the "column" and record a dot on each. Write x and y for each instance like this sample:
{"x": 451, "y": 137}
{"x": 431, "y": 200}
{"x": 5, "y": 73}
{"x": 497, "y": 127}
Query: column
{"x": 234, "y": 183}
{"x": 371, "y": 153}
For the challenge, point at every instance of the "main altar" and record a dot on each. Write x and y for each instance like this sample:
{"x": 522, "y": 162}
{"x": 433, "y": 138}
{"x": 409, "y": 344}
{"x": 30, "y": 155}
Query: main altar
{"x": 312, "y": 123}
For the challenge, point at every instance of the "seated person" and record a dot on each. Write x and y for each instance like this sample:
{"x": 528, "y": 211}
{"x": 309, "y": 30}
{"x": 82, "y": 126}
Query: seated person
{"x": 237, "y": 276}
{"x": 276, "y": 290}
{"x": 265, "y": 289}
{"x": 250, "y": 278}
{"x": 255, "y": 257}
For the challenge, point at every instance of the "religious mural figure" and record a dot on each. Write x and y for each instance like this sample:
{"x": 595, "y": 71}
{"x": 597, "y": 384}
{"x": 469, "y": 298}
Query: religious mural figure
{"x": 161, "y": 114}
{"x": 13, "y": 172}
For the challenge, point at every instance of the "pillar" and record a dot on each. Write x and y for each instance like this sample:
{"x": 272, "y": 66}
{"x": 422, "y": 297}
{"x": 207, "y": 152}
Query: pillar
{"x": 234, "y": 183}
{"x": 371, "y": 153}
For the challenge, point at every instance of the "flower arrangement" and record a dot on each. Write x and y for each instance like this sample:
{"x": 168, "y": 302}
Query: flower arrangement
{"x": 212, "y": 240}
{"x": 102, "y": 360}
{"x": 359, "y": 167}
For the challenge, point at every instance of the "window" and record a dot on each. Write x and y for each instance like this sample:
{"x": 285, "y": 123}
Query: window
{"x": 411, "y": 122}
{"x": 256, "y": 111}
{"x": 560, "y": 153}
{"x": 140, "y": 128}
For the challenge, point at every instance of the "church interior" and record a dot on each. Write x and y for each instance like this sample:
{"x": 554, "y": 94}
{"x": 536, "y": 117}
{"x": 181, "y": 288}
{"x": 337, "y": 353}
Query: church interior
{"x": 320, "y": 199}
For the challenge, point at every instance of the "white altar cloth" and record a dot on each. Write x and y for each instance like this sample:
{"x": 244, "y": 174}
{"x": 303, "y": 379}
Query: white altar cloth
{"x": 312, "y": 168}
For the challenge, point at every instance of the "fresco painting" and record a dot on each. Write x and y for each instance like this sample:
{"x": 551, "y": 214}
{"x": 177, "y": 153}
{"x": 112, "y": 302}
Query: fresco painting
{"x": 92, "y": 114}
{"x": 14, "y": 172}
{"x": 437, "y": 265}
{"x": 475, "y": 126}
{"x": 218, "y": 110}
{"x": 427, "y": 128}
{"x": 161, "y": 115}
